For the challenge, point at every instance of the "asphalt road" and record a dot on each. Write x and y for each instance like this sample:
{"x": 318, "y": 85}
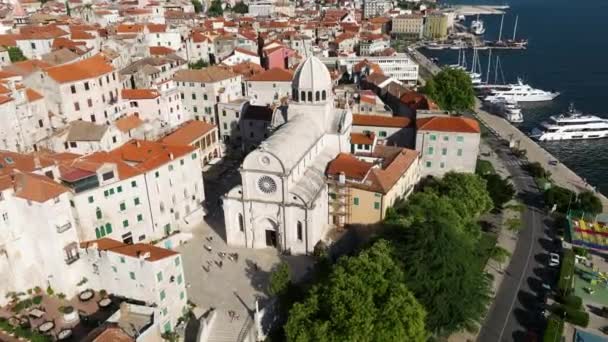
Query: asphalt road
{"x": 517, "y": 307}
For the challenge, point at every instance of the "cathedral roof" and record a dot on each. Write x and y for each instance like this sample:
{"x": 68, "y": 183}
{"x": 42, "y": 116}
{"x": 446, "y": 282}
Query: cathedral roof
{"x": 313, "y": 75}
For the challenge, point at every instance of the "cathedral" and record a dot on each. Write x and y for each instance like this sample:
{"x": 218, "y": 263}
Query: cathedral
{"x": 282, "y": 200}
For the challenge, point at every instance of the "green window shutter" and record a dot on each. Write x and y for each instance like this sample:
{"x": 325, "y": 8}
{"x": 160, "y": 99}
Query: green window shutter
{"x": 382, "y": 134}
{"x": 460, "y": 138}
{"x": 181, "y": 295}
{"x": 97, "y": 233}
{"x": 132, "y": 275}
{"x": 98, "y": 213}
{"x": 134, "y": 184}
{"x": 177, "y": 261}
{"x": 103, "y": 231}
{"x": 119, "y": 189}
{"x": 123, "y": 206}
{"x": 111, "y": 191}
{"x": 193, "y": 156}
{"x": 136, "y": 200}
{"x": 91, "y": 199}
{"x": 428, "y": 164}
{"x": 162, "y": 295}
{"x": 446, "y": 138}
{"x": 125, "y": 223}
{"x": 122, "y": 260}
{"x": 181, "y": 162}
{"x": 140, "y": 217}
{"x": 159, "y": 276}
{"x": 376, "y": 205}
{"x": 433, "y": 137}
{"x": 356, "y": 200}
{"x": 430, "y": 150}
{"x": 114, "y": 269}
{"x": 106, "y": 193}
{"x": 156, "y": 174}
{"x": 444, "y": 151}
{"x": 459, "y": 152}
{"x": 170, "y": 167}
{"x": 108, "y": 228}
{"x": 179, "y": 279}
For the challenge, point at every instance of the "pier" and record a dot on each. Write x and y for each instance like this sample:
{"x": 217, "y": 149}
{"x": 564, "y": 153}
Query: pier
{"x": 469, "y": 10}
{"x": 500, "y": 127}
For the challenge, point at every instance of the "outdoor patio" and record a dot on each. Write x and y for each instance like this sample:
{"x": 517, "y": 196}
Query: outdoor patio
{"x": 583, "y": 283}
{"x": 55, "y": 316}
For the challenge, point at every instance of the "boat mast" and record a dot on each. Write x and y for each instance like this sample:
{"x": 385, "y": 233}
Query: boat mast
{"x": 489, "y": 66}
{"x": 500, "y": 31}
{"x": 515, "y": 28}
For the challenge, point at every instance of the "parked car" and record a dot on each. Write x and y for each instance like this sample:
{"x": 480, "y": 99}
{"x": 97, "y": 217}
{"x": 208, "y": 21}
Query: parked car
{"x": 553, "y": 162}
{"x": 553, "y": 260}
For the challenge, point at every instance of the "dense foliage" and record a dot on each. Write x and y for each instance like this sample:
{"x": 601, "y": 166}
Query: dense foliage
{"x": 198, "y": 64}
{"x": 451, "y": 89}
{"x": 15, "y": 54}
{"x": 216, "y": 9}
{"x": 564, "y": 200}
{"x": 363, "y": 299}
{"x": 500, "y": 190}
{"x": 240, "y": 7}
{"x": 554, "y": 330}
{"x": 198, "y": 6}
{"x": 279, "y": 279}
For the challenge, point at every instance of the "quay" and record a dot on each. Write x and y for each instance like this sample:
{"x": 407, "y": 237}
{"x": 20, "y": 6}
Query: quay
{"x": 469, "y": 10}
{"x": 500, "y": 127}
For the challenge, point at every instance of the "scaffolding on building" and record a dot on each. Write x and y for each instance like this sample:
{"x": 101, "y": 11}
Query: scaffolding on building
{"x": 339, "y": 201}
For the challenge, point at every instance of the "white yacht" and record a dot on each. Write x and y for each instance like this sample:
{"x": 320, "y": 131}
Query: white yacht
{"x": 521, "y": 92}
{"x": 477, "y": 27}
{"x": 572, "y": 126}
{"x": 510, "y": 110}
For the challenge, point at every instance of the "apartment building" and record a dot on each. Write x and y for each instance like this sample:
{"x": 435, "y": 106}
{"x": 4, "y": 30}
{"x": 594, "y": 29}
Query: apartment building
{"x": 201, "y": 135}
{"x": 269, "y": 87}
{"x": 447, "y": 144}
{"x": 139, "y": 271}
{"x": 202, "y": 90}
{"x": 84, "y": 90}
{"x": 408, "y": 25}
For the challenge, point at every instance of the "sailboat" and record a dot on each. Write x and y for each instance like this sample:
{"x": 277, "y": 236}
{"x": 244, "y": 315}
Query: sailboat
{"x": 509, "y": 43}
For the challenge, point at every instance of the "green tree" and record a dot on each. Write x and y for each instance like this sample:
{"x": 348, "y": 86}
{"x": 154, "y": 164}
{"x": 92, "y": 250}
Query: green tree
{"x": 484, "y": 167}
{"x": 215, "y": 10}
{"x": 443, "y": 271}
{"x": 198, "y": 64}
{"x": 589, "y": 203}
{"x": 15, "y": 54}
{"x": 240, "y": 7}
{"x": 563, "y": 199}
{"x": 198, "y": 6}
{"x": 279, "y": 279}
{"x": 451, "y": 89}
{"x": 466, "y": 191}
{"x": 363, "y": 299}
{"x": 500, "y": 255}
{"x": 500, "y": 190}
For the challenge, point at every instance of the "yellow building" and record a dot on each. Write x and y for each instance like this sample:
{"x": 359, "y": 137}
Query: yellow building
{"x": 410, "y": 25}
{"x": 362, "y": 186}
{"x": 435, "y": 26}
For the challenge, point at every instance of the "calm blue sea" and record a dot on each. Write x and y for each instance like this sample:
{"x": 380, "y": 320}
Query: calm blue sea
{"x": 567, "y": 52}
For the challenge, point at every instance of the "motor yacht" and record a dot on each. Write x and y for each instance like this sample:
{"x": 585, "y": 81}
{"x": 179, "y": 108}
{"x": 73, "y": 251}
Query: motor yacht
{"x": 572, "y": 125}
{"x": 521, "y": 92}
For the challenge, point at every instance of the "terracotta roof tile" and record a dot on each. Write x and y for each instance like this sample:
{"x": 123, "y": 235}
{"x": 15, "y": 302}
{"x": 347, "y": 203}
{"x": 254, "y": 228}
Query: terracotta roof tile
{"x": 273, "y": 75}
{"x": 148, "y": 155}
{"x": 206, "y": 75}
{"x": 188, "y": 132}
{"x": 448, "y": 124}
{"x": 131, "y": 250}
{"x": 88, "y": 68}
{"x": 37, "y": 188}
{"x": 32, "y": 95}
{"x": 160, "y": 50}
{"x": 128, "y": 123}
{"x": 139, "y": 94}
{"x": 380, "y": 120}
{"x": 350, "y": 165}
{"x": 362, "y": 138}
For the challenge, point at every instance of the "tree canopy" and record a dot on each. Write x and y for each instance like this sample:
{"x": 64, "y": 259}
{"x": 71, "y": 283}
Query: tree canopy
{"x": 451, "y": 89}
{"x": 279, "y": 279}
{"x": 198, "y": 64}
{"x": 198, "y": 6}
{"x": 216, "y": 9}
{"x": 240, "y": 7}
{"x": 500, "y": 190}
{"x": 363, "y": 299}
{"x": 15, "y": 54}
{"x": 589, "y": 203}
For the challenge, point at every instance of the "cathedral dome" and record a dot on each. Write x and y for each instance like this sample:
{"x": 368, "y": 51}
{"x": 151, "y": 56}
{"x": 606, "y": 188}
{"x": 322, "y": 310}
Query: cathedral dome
{"x": 311, "y": 81}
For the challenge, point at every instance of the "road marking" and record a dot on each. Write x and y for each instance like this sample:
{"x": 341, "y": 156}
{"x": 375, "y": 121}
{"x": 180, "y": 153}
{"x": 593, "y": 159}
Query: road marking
{"x": 521, "y": 278}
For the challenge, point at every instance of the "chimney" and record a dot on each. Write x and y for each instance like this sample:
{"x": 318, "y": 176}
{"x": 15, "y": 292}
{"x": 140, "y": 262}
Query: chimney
{"x": 37, "y": 164}
{"x": 171, "y": 155}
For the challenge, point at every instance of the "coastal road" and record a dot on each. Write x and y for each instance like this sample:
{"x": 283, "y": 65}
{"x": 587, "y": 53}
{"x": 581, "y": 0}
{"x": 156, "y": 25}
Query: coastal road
{"x": 517, "y": 306}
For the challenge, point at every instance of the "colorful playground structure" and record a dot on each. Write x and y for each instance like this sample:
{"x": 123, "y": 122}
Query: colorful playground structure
{"x": 589, "y": 234}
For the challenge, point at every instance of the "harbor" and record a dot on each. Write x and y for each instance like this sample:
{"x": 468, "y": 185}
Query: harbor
{"x": 500, "y": 127}
{"x": 470, "y": 10}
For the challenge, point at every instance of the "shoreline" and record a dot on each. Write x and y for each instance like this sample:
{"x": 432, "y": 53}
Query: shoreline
{"x": 560, "y": 173}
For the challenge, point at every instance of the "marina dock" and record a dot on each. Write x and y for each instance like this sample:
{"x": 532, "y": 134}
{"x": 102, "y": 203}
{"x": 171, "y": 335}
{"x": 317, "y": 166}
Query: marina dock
{"x": 560, "y": 173}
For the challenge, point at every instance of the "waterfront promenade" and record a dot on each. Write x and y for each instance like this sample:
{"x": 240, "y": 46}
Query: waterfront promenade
{"x": 561, "y": 174}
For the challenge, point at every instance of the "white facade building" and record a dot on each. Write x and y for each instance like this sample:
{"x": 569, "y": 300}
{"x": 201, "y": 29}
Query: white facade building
{"x": 269, "y": 87}
{"x": 282, "y": 201}
{"x": 399, "y": 67}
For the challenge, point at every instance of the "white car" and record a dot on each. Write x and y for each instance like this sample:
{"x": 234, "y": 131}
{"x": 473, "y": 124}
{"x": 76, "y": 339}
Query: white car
{"x": 553, "y": 260}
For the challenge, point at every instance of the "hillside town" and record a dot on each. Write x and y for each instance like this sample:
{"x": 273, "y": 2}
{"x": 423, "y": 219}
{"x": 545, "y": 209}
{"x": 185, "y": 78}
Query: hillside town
{"x": 162, "y": 162}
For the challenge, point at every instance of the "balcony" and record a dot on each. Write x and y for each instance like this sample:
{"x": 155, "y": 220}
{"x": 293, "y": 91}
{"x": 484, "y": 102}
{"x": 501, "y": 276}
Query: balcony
{"x": 84, "y": 184}
{"x": 64, "y": 227}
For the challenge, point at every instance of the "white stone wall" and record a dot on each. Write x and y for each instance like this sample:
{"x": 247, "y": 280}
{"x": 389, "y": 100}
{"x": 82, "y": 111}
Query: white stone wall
{"x": 442, "y": 152}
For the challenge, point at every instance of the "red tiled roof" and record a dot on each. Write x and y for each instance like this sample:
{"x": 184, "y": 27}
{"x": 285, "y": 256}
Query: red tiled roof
{"x": 380, "y": 120}
{"x": 350, "y": 165}
{"x": 139, "y": 94}
{"x": 149, "y": 155}
{"x": 448, "y": 124}
{"x": 362, "y": 138}
{"x": 37, "y": 188}
{"x": 131, "y": 250}
{"x": 188, "y": 133}
{"x": 81, "y": 70}
{"x": 32, "y": 95}
{"x": 128, "y": 123}
{"x": 273, "y": 75}
{"x": 160, "y": 50}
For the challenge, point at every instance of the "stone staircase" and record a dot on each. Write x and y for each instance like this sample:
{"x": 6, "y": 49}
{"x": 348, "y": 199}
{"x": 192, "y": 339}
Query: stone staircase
{"x": 223, "y": 330}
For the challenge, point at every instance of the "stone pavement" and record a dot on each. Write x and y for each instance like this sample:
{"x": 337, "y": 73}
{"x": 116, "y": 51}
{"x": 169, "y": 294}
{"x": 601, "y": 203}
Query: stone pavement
{"x": 561, "y": 174}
